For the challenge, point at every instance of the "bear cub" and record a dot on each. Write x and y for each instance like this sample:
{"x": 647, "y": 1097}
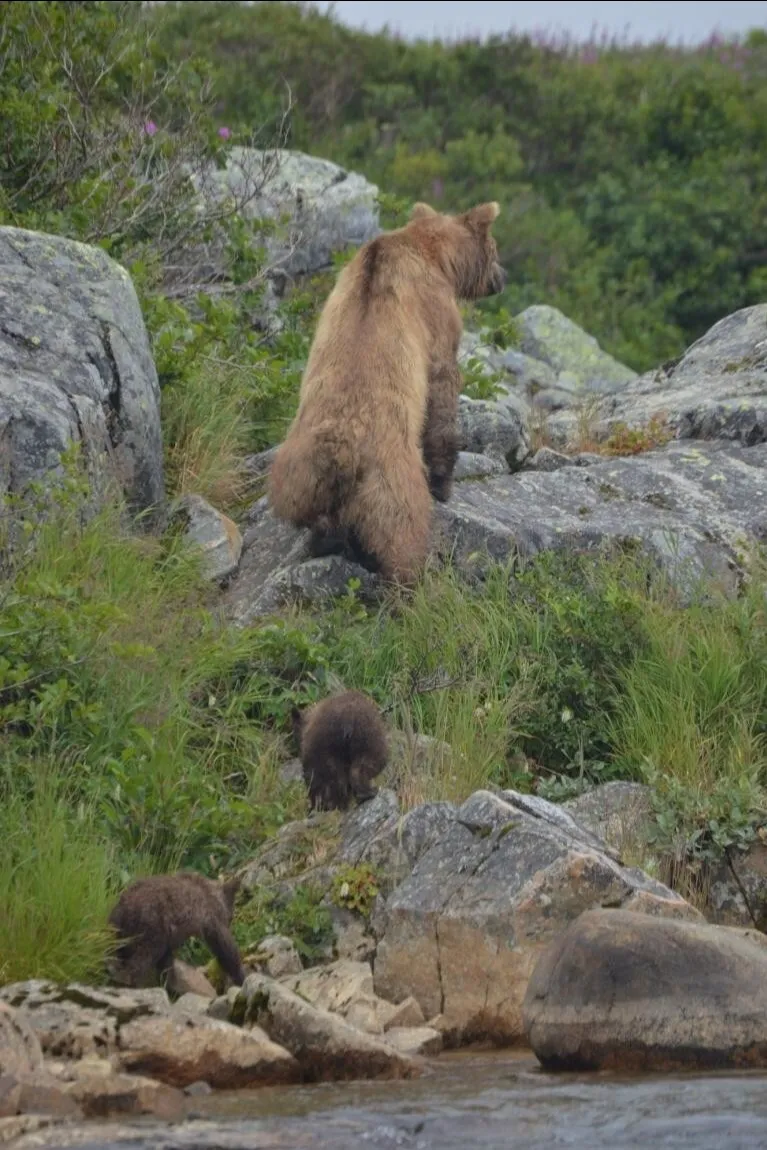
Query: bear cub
{"x": 343, "y": 747}
{"x": 156, "y": 915}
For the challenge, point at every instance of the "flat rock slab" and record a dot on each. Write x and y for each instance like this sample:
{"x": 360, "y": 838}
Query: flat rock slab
{"x": 625, "y": 991}
{"x": 180, "y": 1051}
{"x": 694, "y": 508}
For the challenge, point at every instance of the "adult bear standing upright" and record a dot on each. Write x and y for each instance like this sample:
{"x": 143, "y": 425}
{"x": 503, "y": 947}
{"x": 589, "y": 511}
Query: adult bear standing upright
{"x": 375, "y": 433}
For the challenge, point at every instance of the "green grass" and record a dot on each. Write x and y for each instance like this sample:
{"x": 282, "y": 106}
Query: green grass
{"x": 57, "y": 881}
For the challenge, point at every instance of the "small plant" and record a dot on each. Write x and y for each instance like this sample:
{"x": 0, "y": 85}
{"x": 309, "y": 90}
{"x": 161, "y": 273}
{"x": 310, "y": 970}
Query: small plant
{"x": 356, "y": 888}
{"x": 626, "y": 440}
{"x": 300, "y": 916}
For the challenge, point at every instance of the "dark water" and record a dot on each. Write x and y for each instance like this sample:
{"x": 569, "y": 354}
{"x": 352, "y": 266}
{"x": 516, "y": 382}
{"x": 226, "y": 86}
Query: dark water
{"x": 469, "y": 1102}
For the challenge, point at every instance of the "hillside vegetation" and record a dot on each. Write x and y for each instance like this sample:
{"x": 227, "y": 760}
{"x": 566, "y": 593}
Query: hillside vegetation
{"x": 136, "y": 732}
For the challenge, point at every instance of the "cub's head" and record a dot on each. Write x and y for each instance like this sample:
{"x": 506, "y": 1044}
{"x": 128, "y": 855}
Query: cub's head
{"x": 467, "y": 248}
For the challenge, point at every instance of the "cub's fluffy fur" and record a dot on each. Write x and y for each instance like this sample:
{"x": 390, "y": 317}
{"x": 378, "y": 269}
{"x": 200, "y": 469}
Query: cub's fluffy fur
{"x": 343, "y": 746}
{"x": 375, "y": 433}
{"x": 156, "y": 915}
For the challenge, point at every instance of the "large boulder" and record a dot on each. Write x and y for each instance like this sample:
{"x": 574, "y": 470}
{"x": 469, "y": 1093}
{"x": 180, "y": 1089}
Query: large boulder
{"x": 624, "y": 991}
{"x": 315, "y": 207}
{"x": 463, "y": 932}
{"x": 75, "y": 368}
{"x": 574, "y": 355}
{"x": 20, "y": 1051}
{"x": 716, "y": 390}
{"x": 691, "y": 507}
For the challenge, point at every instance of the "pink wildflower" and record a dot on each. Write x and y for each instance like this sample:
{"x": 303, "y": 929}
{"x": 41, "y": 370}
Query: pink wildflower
{"x": 150, "y": 128}
{"x": 224, "y": 133}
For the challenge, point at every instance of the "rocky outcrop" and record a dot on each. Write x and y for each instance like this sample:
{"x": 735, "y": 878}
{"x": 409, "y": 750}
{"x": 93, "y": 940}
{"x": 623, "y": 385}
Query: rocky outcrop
{"x": 693, "y": 508}
{"x": 624, "y": 991}
{"x": 716, "y": 390}
{"x": 75, "y": 368}
{"x": 463, "y": 932}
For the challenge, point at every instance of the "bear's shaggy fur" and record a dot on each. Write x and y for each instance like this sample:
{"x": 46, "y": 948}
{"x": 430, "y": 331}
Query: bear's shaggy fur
{"x": 156, "y": 915}
{"x": 343, "y": 746}
{"x": 375, "y": 432}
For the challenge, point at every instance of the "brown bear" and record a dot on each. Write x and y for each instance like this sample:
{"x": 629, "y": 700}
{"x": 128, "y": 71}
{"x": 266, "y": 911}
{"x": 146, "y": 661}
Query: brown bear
{"x": 156, "y": 915}
{"x": 343, "y": 746}
{"x": 375, "y": 432}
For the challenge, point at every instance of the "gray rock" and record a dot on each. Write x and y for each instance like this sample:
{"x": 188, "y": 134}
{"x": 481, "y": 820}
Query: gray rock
{"x": 415, "y": 1040}
{"x": 548, "y": 335}
{"x": 275, "y": 569}
{"x": 463, "y": 931}
{"x": 546, "y": 459}
{"x": 217, "y": 536}
{"x": 327, "y": 208}
{"x": 278, "y": 956}
{"x": 717, "y": 390}
{"x": 692, "y": 508}
{"x": 181, "y": 1050}
{"x": 530, "y": 374}
{"x": 485, "y": 429}
{"x": 619, "y": 813}
{"x": 20, "y": 1051}
{"x": 291, "y": 772}
{"x": 75, "y": 368}
{"x": 737, "y": 888}
{"x": 326, "y": 1047}
{"x": 470, "y": 465}
{"x": 622, "y": 991}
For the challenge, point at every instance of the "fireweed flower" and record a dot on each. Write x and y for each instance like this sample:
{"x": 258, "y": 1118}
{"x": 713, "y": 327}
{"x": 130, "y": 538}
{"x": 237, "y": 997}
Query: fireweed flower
{"x": 150, "y": 128}
{"x": 224, "y": 133}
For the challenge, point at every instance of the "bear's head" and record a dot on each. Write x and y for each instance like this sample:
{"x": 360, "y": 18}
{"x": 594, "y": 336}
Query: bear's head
{"x": 467, "y": 248}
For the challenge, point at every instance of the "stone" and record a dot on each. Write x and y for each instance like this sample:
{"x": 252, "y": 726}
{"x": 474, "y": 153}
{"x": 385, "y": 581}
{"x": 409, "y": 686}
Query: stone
{"x": 619, "y": 813}
{"x": 291, "y": 772}
{"x": 194, "y": 1004}
{"x": 407, "y": 1013}
{"x": 716, "y": 390}
{"x": 345, "y": 988}
{"x": 181, "y": 1051}
{"x": 101, "y": 1096}
{"x": 417, "y": 1041}
{"x": 621, "y": 991}
{"x": 352, "y": 937}
{"x": 485, "y": 429}
{"x": 20, "y": 1050}
{"x": 327, "y": 208}
{"x": 691, "y": 508}
{"x": 530, "y": 374}
{"x": 278, "y": 956}
{"x": 75, "y": 368}
{"x": 184, "y": 979}
{"x": 471, "y": 465}
{"x": 215, "y": 534}
{"x": 10, "y": 1096}
{"x": 275, "y": 569}
{"x": 546, "y": 459}
{"x": 49, "y": 1098}
{"x": 737, "y": 887}
{"x": 548, "y": 335}
{"x": 463, "y": 932}
{"x": 327, "y": 1048}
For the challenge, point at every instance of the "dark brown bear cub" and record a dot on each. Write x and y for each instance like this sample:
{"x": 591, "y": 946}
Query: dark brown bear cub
{"x": 156, "y": 915}
{"x": 343, "y": 746}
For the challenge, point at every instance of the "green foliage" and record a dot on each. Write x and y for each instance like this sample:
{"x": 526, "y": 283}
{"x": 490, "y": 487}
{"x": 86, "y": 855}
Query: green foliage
{"x": 356, "y": 888}
{"x": 57, "y": 879}
{"x": 301, "y": 917}
{"x": 692, "y": 722}
{"x": 633, "y": 179}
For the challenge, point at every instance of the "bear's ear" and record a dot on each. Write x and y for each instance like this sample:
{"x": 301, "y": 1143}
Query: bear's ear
{"x": 483, "y": 215}
{"x": 421, "y": 212}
